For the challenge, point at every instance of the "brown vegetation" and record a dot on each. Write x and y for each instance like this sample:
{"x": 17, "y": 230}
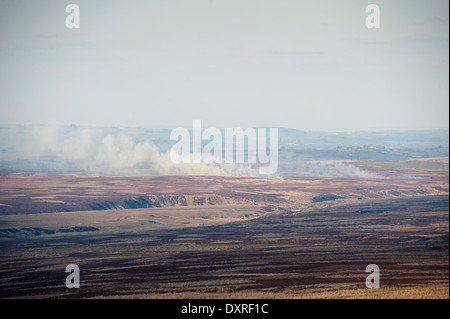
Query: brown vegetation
{"x": 216, "y": 237}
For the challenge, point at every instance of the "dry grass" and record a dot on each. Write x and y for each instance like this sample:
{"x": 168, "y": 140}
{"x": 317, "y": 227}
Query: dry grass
{"x": 138, "y": 219}
{"x": 439, "y": 291}
{"x": 266, "y": 239}
{"x": 415, "y": 292}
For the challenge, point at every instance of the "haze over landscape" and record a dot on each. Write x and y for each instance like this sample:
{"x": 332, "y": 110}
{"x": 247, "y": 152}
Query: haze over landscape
{"x": 307, "y": 65}
{"x": 145, "y": 151}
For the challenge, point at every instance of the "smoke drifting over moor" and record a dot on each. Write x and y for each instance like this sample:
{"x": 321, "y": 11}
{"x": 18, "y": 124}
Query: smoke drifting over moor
{"x": 105, "y": 151}
{"x": 113, "y": 151}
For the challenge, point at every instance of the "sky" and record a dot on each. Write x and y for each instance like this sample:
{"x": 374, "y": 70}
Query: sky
{"x": 308, "y": 65}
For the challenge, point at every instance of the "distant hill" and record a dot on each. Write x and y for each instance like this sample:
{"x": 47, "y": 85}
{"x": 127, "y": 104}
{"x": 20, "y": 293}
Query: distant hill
{"x": 39, "y": 148}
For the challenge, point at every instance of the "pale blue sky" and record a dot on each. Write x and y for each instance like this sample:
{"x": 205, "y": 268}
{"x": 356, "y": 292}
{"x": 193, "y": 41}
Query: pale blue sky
{"x": 310, "y": 65}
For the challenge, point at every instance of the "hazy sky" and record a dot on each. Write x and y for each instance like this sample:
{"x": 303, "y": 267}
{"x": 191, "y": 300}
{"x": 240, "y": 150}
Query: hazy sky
{"x": 310, "y": 65}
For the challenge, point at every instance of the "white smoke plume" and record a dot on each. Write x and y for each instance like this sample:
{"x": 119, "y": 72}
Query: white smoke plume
{"x": 114, "y": 152}
{"x": 325, "y": 169}
{"x": 103, "y": 151}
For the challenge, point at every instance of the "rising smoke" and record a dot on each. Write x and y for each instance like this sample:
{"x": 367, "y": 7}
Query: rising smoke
{"x": 116, "y": 152}
{"x": 105, "y": 151}
{"x": 325, "y": 169}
